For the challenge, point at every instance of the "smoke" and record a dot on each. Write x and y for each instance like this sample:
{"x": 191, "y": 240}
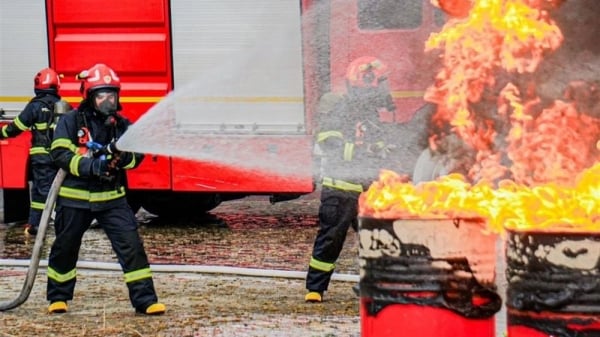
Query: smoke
{"x": 240, "y": 89}
{"x": 256, "y": 88}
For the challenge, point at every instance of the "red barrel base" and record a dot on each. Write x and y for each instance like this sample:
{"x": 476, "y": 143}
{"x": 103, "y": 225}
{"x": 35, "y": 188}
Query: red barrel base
{"x": 523, "y": 331}
{"x": 411, "y": 320}
{"x": 538, "y": 324}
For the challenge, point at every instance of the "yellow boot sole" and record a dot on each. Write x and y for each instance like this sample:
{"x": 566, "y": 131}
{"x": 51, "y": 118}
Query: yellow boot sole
{"x": 313, "y": 296}
{"x": 58, "y": 307}
{"x": 156, "y": 309}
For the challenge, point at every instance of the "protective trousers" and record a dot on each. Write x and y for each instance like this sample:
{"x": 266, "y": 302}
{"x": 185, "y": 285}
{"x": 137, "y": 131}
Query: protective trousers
{"x": 337, "y": 212}
{"x": 121, "y": 228}
{"x": 43, "y": 172}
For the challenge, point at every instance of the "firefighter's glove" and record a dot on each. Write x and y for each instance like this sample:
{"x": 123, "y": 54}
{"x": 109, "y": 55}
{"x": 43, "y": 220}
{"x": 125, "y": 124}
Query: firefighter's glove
{"x": 105, "y": 151}
{"x": 114, "y": 162}
{"x": 100, "y": 168}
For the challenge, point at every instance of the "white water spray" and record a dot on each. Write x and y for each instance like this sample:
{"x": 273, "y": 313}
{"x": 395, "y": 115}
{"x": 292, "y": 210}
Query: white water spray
{"x": 247, "y": 84}
{"x": 246, "y": 94}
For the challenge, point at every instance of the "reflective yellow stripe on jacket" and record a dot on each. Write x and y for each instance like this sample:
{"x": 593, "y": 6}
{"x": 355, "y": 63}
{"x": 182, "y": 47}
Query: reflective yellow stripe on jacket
{"x": 322, "y": 136}
{"x": 342, "y": 185}
{"x": 20, "y": 124}
{"x": 37, "y": 205}
{"x": 73, "y": 193}
{"x": 348, "y": 151}
{"x": 41, "y": 126}
{"x": 68, "y": 144}
{"x": 38, "y": 150}
{"x": 131, "y": 164}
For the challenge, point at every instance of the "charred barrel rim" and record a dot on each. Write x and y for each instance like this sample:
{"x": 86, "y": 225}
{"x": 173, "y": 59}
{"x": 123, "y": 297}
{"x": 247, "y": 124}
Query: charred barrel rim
{"x": 406, "y": 272}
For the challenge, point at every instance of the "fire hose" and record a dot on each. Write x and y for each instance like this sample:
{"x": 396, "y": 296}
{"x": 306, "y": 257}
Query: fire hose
{"x": 41, "y": 235}
{"x": 37, "y": 246}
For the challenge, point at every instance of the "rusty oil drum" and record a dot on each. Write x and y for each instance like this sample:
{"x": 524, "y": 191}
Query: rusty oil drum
{"x": 421, "y": 278}
{"x": 553, "y": 283}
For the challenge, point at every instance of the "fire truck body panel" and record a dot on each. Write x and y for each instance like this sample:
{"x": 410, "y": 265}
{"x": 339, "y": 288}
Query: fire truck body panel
{"x": 251, "y": 74}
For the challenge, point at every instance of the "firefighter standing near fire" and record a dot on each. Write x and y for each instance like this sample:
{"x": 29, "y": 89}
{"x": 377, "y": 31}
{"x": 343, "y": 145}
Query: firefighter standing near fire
{"x": 351, "y": 140}
{"x": 39, "y": 116}
{"x": 84, "y": 145}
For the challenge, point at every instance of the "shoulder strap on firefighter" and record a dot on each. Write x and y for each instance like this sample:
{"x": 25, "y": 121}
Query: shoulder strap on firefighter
{"x": 81, "y": 121}
{"x": 47, "y": 117}
{"x": 49, "y": 105}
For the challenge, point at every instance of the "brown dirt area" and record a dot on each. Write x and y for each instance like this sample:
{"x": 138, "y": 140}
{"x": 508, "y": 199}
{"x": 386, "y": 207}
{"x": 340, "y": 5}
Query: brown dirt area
{"x": 198, "y": 304}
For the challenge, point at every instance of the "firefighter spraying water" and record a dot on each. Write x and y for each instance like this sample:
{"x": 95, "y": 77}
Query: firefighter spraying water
{"x": 90, "y": 185}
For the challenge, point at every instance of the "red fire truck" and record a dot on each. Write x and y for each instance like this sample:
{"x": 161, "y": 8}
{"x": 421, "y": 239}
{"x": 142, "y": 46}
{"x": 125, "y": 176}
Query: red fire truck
{"x": 159, "y": 46}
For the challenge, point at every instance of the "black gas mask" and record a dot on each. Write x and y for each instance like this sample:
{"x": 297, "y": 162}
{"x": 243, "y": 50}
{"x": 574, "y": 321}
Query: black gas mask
{"x": 106, "y": 101}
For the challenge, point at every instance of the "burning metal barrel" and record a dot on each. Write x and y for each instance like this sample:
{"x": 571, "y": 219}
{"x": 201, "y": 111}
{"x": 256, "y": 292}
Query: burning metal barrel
{"x": 553, "y": 283}
{"x": 427, "y": 278}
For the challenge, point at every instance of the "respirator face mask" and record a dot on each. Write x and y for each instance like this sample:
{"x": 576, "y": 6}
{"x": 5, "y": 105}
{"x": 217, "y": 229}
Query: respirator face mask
{"x": 106, "y": 101}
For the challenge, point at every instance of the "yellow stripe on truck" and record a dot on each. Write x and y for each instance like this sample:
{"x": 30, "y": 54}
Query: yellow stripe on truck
{"x": 211, "y": 99}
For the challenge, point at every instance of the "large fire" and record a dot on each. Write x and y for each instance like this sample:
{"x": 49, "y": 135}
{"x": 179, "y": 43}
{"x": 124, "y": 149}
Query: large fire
{"x": 525, "y": 162}
{"x": 507, "y": 205}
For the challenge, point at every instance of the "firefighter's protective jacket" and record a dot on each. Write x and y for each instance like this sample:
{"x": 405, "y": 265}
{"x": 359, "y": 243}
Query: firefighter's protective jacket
{"x": 80, "y": 188}
{"x": 346, "y": 136}
{"x": 39, "y": 118}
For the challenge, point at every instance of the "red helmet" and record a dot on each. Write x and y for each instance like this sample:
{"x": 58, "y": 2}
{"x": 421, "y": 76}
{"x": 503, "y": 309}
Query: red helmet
{"x": 366, "y": 71}
{"x": 98, "y": 77}
{"x": 46, "y": 78}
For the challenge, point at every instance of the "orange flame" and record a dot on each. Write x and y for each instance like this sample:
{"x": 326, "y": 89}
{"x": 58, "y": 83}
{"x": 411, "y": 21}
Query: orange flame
{"x": 509, "y": 205}
{"x": 550, "y": 153}
{"x": 498, "y": 34}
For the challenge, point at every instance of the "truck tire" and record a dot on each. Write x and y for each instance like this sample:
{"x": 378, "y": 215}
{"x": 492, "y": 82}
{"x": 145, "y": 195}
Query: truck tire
{"x": 134, "y": 199}
{"x": 177, "y": 205}
{"x": 16, "y": 205}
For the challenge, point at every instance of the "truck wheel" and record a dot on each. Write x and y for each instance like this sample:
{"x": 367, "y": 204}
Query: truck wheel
{"x": 177, "y": 205}
{"x": 134, "y": 199}
{"x": 16, "y": 205}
